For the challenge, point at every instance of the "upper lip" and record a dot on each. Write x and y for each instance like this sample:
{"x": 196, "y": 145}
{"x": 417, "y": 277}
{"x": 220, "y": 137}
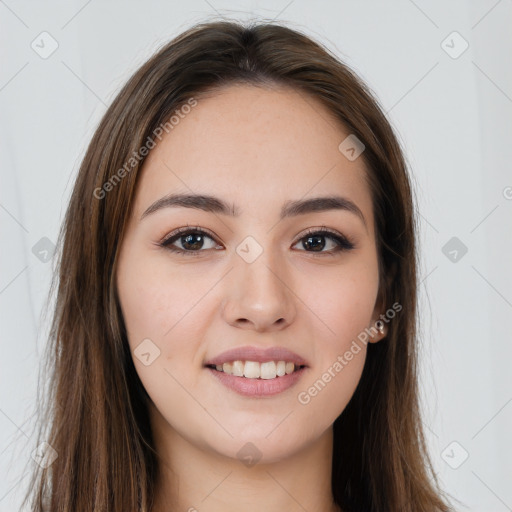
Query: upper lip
{"x": 256, "y": 354}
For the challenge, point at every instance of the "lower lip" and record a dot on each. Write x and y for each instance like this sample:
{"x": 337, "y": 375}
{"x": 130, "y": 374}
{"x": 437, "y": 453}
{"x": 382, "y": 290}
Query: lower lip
{"x": 258, "y": 387}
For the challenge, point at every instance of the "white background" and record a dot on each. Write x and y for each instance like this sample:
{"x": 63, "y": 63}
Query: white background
{"x": 453, "y": 116}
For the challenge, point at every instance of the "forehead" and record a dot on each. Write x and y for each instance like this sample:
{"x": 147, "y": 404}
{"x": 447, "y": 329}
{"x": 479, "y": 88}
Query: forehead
{"x": 255, "y": 146}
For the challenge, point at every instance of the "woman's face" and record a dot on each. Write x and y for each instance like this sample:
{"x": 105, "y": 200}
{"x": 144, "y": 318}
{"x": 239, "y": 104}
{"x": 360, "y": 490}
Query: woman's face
{"x": 253, "y": 281}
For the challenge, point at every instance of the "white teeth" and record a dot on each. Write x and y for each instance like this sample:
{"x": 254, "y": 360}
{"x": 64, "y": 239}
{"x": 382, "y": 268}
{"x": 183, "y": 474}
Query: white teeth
{"x": 268, "y": 370}
{"x": 255, "y": 370}
{"x": 252, "y": 370}
{"x": 238, "y": 368}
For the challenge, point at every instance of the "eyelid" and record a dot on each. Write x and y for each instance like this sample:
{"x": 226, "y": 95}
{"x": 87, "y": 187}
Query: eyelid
{"x": 186, "y": 229}
{"x": 314, "y": 230}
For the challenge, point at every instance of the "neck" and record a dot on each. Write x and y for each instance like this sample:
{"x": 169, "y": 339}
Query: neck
{"x": 194, "y": 479}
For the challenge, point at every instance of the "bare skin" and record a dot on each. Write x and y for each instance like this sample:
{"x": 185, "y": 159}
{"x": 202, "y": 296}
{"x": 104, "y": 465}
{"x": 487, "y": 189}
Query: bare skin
{"x": 256, "y": 148}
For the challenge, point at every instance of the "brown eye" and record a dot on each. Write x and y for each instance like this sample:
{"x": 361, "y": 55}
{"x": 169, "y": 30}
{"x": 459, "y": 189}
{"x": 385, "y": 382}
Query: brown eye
{"x": 192, "y": 241}
{"x": 314, "y": 241}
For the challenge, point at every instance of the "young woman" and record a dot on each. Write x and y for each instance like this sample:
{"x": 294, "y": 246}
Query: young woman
{"x": 235, "y": 325}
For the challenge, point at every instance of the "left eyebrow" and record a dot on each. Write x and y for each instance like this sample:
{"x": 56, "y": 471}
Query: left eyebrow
{"x": 214, "y": 204}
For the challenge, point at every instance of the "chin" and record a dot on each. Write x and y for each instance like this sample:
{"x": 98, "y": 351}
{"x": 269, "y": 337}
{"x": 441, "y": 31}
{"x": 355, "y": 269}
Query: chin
{"x": 263, "y": 448}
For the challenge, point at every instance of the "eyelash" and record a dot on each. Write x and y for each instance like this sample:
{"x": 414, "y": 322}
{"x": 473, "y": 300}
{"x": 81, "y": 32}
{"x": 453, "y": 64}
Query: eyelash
{"x": 342, "y": 242}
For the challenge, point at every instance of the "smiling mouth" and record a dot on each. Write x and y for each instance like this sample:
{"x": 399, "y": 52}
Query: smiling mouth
{"x": 255, "y": 370}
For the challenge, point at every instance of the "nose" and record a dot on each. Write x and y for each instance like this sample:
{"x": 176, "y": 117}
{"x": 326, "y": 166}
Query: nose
{"x": 259, "y": 295}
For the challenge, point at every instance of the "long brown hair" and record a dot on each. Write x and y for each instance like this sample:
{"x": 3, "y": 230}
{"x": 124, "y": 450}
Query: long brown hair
{"x": 96, "y": 415}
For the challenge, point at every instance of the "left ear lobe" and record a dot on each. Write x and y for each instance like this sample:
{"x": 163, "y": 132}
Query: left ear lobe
{"x": 382, "y": 331}
{"x": 378, "y": 327}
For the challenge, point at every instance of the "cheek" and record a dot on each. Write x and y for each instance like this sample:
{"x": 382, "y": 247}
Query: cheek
{"x": 169, "y": 306}
{"x": 163, "y": 305}
{"x": 158, "y": 301}
{"x": 341, "y": 302}
{"x": 326, "y": 395}
{"x": 340, "y": 351}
